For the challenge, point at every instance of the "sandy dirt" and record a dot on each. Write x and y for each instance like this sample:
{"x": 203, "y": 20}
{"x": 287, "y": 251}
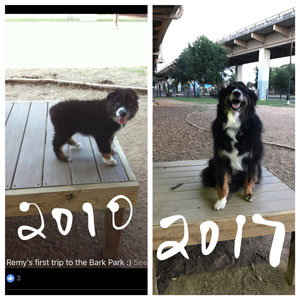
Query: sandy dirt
{"x": 133, "y": 139}
{"x": 220, "y": 273}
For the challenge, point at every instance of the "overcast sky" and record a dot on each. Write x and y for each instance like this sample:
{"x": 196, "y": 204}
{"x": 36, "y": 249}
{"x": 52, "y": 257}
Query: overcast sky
{"x": 216, "y": 19}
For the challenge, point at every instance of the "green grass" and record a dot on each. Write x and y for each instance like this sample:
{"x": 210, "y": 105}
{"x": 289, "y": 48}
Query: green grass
{"x": 139, "y": 70}
{"x": 215, "y": 101}
{"x": 194, "y": 100}
{"x": 275, "y": 103}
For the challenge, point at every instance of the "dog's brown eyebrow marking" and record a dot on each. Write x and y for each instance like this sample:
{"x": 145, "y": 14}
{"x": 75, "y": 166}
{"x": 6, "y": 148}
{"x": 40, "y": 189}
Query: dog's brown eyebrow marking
{"x": 176, "y": 186}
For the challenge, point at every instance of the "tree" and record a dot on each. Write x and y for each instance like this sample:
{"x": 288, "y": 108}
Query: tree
{"x": 203, "y": 61}
{"x": 180, "y": 71}
{"x": 209, "y": 60}
{"x": 279, "y": 78}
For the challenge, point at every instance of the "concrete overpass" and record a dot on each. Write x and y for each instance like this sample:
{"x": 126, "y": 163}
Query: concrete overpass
{"x": 271, "y": 38}
{"x": 162, "y": 18}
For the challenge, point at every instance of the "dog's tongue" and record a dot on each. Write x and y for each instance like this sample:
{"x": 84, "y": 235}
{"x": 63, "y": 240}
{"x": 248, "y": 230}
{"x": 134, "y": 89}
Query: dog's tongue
{"x": 121, "y": 120}
{"x": 236, "y": 105}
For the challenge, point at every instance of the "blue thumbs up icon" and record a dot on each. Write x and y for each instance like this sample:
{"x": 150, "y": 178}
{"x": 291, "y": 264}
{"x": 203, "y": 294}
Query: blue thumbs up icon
{"x": 10, "y": 278}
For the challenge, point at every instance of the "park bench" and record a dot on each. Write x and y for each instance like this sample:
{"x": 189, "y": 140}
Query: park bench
{"x": 34, "y": 174}
{"x": 274, "y": 200}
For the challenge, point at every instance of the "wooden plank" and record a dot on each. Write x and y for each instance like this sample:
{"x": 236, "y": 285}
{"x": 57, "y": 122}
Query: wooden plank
{"x": 181, "y": 163}
{"x": 189, "y": 191}
{"x": 30, "y": 164}
{"x": 227, "y": 229}
{"x": 199, "y": 203}
{"x": 56, "y": 172}
{"x": 205, "y": 211}
{"x": 70, "y": 197}
{"x": 155, "y": 261}
{"x": 8, "y": 108}
{"x": 179, "y": 166}
{"x": 291, "y": 262}
{"x": 109, "y": 173}
{"x": 207, "y": 197}
{"x": 174, "y": 181}
{"x": 179, "y": 169}
{"x": 124, "y": 160}
{"x": 83, "y": 165}
{"x": 171, "y": 182}
{"x": 14, "y": 132}
{"x": 167, "y": 175}
{"x": 111, "y": 235}
{"x": 177, "y": 175}
{"x": 192, "y": 173}
{"x": 206, "y": 201}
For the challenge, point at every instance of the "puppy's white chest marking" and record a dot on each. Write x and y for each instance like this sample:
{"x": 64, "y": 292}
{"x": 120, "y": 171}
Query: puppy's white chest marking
{"x": 232, "y": 127}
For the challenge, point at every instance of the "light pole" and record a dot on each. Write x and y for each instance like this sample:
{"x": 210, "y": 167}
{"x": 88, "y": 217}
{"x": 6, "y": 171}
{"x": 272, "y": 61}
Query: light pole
{"x": 290, "y": 70}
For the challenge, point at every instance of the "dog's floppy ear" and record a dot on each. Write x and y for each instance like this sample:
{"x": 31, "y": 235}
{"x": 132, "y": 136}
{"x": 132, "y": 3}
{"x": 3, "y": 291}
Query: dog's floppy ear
{"x": 111, "y": 103}
{"x": 113, "y": 94}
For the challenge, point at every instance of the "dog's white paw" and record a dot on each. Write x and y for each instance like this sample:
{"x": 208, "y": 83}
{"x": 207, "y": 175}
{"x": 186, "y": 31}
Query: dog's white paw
{"x": 250, "y": 197}
{"x": 220, "y": 204}
{"x": 113, "y": 150}
{"x": 110, "y": 162}
{"x": 66, "y": 158}
{"x": 77, "y": 145}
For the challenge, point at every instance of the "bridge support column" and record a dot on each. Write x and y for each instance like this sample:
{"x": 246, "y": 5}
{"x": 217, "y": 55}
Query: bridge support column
{"x": 263, "y": 72}
{"x": 239, "y": 73}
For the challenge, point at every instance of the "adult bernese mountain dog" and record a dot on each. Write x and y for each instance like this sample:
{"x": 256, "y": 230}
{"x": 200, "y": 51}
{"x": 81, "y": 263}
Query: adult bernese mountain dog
{"x": 238, "y": 146}
{"x": 98, "y": 118}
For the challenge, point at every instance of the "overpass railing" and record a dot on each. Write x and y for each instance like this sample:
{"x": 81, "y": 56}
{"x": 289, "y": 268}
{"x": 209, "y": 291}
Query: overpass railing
{"x": 287, "y": 14}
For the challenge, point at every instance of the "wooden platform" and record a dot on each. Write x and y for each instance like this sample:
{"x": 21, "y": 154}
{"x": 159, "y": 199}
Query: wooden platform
{"x": 34, "y": 174}
{"x": 274, "y": 200}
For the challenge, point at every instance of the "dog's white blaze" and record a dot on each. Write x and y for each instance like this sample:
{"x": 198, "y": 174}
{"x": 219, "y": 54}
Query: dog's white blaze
{"x": 232, "y": 127}
{"x": 119, "y": 109}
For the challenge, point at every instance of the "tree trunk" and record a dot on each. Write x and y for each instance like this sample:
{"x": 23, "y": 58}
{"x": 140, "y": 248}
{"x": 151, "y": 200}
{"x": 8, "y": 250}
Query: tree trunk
{"x": 194, "y": 88}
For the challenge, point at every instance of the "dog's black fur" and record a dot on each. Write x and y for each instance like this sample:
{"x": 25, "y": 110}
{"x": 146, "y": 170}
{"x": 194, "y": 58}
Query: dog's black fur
{"x": 244, "y": 135}
{"x": 97, "y": 118}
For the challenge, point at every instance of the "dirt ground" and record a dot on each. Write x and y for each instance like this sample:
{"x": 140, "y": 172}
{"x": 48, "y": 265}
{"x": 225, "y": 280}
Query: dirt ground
{"x": 220, "y": 273}
{"x": 133, "y": 139}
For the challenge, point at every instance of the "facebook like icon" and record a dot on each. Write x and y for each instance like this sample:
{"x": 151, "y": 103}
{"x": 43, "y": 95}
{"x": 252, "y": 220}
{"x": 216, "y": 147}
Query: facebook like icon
{"x": 10, "y": 278}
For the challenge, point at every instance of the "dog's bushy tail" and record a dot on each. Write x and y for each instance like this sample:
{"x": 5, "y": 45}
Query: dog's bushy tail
{"x": 208, "y": 175}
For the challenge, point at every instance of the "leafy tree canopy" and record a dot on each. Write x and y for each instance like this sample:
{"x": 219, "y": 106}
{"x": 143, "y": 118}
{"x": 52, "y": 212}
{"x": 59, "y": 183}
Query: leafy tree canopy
{"x": 203, "y": 61}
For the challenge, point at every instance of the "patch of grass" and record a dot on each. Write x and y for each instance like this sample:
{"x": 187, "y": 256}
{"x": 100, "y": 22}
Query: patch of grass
{"x": 215, "y": 101}
{"x": 139, "y": 70}
{"x": 194, "y": 100}
{"x": 274, "y": 103}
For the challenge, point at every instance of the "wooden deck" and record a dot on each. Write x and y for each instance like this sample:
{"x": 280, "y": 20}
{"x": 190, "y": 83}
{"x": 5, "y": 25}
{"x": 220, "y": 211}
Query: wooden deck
{"x": 274, "y": 200}
{"x": 33, "y": 173}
